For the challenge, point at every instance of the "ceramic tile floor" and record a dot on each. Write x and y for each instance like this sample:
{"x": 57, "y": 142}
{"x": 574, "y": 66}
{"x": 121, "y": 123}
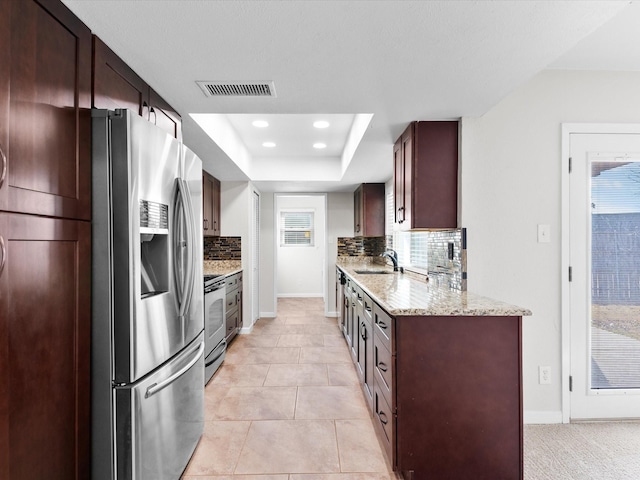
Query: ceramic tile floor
{"x": 286, "y": 405}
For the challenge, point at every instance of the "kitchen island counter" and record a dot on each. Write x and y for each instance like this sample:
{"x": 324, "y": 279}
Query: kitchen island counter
{"x": 440, "y": 368}
{"x": 409, "y": 293}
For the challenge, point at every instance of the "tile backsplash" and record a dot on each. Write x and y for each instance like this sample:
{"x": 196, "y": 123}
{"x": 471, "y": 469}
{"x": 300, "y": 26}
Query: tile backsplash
{"x": 361, "y": 246}
{"x": 429, "y": 252}
{"x": 222, "y": 248}
{"x": 425, "y": 252}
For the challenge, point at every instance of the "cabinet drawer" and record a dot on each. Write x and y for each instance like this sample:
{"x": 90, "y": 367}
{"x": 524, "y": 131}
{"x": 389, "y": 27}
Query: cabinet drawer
{"x": 232, "y": 301}
{"x": 384, "y": 422}
{"x": 367, "y": 305}
{"x": 358, "y": 296}
{"x": 383, "y": 369}
{"x": 231, "y": 282}
{"x": 383, "y": 326}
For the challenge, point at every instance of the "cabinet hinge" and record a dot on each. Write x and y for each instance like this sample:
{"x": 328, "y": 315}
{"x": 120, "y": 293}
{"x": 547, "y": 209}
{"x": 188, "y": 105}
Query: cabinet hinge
{"x": 570, "y": 164}
{"x": 571, "y": 274}
{"x": 570, "y": 383}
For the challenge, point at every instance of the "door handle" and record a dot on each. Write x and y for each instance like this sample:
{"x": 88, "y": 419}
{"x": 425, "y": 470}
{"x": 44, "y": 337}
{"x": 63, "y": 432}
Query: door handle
{"x": 156, "y": 387}
{"x": 382, "y": 325}
{"x": 382, "y": 366}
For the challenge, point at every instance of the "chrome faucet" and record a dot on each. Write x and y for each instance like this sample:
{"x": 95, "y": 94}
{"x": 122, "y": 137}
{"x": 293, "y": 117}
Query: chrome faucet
{"x": 393, "y": 255}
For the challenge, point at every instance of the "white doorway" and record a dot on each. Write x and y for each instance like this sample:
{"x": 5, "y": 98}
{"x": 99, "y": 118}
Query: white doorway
{"x": 601, "y": 261}
{"x": 255, "y": 259}
{"x": 300, "y": 245}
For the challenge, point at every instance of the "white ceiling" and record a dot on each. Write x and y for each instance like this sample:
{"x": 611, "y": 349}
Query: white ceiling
{"x": 398, "y": 60}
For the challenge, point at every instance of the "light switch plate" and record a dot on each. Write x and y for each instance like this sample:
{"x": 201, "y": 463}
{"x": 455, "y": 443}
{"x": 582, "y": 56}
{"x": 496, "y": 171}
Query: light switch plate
{"x": 544, "y": 233}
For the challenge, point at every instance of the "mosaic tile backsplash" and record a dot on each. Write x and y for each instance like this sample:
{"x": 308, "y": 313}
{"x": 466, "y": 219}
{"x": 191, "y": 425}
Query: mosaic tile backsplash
{"x": 361, "y": 246}
{"x": 425, "y": 252}
{"x": 222, "y": 248}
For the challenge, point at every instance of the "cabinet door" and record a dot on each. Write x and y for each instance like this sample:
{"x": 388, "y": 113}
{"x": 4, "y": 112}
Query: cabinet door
{"x": 216, "y": 206}
{"x": 164, "y": 115}
{"x": 406, "y": 154}
{"x": 115, "y": 84}
{"x": 207, "y": 204}
{"x": 210, "y": 205}
{"x": 398, "y": 183}
{"x": 45, "y": 117}
{"x": 372, "y": 209}
{"x": 435, "y": 174}
{"x": 357, "y": 212}
{"x": 45, "y": 310}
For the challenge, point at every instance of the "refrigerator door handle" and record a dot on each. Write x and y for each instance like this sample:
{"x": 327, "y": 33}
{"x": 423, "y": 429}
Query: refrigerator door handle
{"x": 156, "y": 387}
{"x": 187, "y": 286}
{"x": 192, "y": 238}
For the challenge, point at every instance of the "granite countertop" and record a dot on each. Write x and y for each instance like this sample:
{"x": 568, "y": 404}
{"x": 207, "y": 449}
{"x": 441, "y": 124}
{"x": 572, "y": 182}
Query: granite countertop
{"x": 221, "y": 267}
{"x": 410, "y": 294}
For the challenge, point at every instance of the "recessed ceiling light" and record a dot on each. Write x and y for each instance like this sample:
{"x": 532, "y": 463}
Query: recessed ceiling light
{"x": 269, "y": 144}
{"x": 319, "y": 145}
{"x": 321, "y": 124}
{"x": 260, "y": 123}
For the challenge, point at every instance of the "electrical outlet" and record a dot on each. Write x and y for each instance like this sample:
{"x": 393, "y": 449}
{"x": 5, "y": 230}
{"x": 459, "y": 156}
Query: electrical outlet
{"x": 544, "y": 375}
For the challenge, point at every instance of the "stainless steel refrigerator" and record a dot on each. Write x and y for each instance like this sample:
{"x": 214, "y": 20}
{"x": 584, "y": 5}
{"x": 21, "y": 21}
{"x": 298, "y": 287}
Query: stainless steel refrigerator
{"x": 147, "y": 300}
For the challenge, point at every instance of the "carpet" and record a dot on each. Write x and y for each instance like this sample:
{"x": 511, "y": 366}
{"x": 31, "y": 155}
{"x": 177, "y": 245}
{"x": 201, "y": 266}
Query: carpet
{"x": 582, "y": 451}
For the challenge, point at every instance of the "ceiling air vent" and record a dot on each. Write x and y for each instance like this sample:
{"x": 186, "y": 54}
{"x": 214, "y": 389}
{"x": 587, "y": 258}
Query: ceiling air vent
{"x": 238, "y": 89}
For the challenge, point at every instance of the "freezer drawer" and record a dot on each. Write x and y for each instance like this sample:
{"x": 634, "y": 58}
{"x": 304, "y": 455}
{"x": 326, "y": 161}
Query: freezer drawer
{"x": 159, "y": 420}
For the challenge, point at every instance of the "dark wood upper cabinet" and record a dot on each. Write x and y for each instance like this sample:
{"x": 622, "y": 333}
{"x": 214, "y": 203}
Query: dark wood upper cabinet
{"x": 45, "y": 321}
{"x": 45, "y": 102}
{"x": 426, "y": 176}
{"x": 116, "y": 85}
{"x": 164, "y": 115}
{"x": 210, "y": 205}
{"x": 368, "y": 210}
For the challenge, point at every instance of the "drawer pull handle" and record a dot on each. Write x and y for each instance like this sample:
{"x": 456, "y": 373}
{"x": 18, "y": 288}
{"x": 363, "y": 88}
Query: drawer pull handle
{"x": 4, "y": 254}
{"x": 382, "y": 366}
{"x": 381, "y": 324}
{"x": 3, "y": 173}
{"x": 383, "y": 418}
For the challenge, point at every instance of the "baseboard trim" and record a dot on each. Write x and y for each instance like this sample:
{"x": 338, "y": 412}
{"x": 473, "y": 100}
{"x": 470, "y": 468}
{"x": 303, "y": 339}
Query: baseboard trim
{"x": 300, "y": 295}
{"x": 332, "y": 314}
{"x": 245, "y": 330}
{"x": 267, "y": 315}
{"x": 542, "y": 417}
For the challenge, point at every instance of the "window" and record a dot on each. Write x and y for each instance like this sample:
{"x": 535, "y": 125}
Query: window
{"x": 296, "y": 228}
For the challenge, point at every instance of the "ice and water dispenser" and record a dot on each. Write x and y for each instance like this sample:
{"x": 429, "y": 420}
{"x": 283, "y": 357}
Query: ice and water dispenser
{"x": 154, "y": 248}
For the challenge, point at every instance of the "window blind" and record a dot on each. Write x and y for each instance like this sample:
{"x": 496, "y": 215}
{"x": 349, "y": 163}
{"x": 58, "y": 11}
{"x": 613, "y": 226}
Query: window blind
{"x": 296, "y": 228}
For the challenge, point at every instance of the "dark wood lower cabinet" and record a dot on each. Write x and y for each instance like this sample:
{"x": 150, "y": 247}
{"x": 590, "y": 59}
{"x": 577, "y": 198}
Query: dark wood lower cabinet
{"x": 458, "y": 394}
{"x": 45, "y": 309}
{"x": 445, "y": 391}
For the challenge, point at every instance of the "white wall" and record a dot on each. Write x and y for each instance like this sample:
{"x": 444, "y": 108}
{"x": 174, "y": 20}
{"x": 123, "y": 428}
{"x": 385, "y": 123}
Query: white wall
{"x": 511, "y": 181}
{"x": 236, "y": 204}
{"x": 300, "y": 270}
{"x": 339, "y": 224}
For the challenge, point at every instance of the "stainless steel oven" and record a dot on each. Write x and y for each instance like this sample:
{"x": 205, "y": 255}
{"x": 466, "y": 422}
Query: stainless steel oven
{"x": 214, "y": 324}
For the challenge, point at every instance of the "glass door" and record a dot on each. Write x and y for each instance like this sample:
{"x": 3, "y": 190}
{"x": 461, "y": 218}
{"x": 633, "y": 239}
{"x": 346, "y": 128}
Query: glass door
{"x": 605, "y": 270}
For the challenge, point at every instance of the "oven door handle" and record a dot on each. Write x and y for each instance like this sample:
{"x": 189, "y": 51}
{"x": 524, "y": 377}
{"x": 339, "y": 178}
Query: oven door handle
{"x": 224, "y": 345}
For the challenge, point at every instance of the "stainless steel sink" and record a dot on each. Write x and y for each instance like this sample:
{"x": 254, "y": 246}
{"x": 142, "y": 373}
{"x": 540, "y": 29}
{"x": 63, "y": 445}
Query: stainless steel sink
{"x": 372, "y": 272}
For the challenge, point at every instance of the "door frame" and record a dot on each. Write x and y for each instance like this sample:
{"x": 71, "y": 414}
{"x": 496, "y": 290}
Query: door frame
{"x": 567, "y": 130}
{"x": 276, "y": 240}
